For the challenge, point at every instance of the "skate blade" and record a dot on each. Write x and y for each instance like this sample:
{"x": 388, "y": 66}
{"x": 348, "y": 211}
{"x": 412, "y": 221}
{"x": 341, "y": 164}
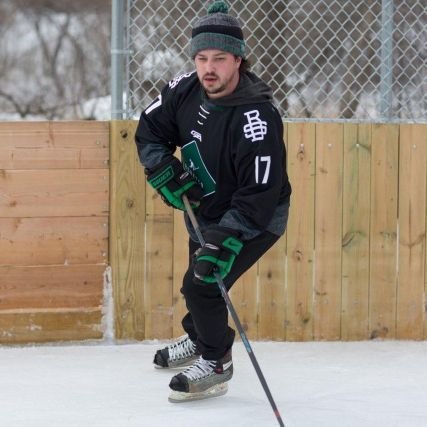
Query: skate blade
{"x": 214, "y": 391}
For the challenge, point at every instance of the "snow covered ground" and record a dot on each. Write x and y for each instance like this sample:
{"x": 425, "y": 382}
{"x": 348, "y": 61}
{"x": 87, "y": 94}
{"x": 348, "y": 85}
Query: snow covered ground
{"x": 314, "y": 384}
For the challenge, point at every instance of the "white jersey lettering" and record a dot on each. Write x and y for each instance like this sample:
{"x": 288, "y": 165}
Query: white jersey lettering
{"x": 176, "y": 80}
{"x": 258, "y": 161}
{"x": 255, "y": 129}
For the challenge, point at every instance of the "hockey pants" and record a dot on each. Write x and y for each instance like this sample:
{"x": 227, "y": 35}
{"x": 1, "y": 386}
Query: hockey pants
{"x": 207, "y": 319}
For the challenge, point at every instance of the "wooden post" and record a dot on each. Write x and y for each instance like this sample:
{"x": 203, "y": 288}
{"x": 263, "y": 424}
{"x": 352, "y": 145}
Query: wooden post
{"x": 328, "y": 232}
{"x": 412, "y": 231}
{"x": 127, "y": 247}
{"x": 383, "y": 249}
{"x": 355, "y": 241}
{"x": 300, "y": 232}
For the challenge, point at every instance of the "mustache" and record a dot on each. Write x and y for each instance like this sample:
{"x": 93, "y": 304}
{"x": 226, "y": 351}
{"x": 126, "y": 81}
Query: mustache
{"x": 210, "y": 75}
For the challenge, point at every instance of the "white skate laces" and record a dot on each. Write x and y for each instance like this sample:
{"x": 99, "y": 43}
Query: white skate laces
{"x": 200, "y": 369}
{"x": 178, "y": 354}
{"x": 182, "y": 349}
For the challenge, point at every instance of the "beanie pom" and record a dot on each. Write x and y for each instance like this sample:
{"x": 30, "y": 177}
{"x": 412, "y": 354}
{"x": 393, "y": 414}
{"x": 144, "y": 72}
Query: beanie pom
{"x": 218, "y": 7}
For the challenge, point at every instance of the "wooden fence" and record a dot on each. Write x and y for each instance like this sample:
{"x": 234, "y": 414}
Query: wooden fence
{"x": 54, "y": 207}
{"x": 351, "y": 266}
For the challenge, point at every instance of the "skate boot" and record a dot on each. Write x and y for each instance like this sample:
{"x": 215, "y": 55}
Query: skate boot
{"x": 181, "y": 353}
{"x": 202, "y": 380}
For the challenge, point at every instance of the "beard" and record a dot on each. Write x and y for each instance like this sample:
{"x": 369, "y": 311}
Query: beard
{"x": 216, "y": 86}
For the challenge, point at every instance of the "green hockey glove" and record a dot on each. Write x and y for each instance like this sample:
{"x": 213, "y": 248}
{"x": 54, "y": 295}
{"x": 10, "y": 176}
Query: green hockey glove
{"x": 171, "y": 181}
{"x": 217, "y": 255}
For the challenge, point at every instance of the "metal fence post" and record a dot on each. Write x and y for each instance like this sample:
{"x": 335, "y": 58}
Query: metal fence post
{"x": 117, "y": 59}
{"x": 386, "y": 71}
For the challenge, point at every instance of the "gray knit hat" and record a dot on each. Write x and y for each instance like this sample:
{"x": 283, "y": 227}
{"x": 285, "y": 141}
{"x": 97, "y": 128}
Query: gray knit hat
{"x": 218, "y": 30}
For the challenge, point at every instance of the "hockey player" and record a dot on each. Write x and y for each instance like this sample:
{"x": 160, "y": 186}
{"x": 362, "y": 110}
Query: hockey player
{"x": 230, "y": 135}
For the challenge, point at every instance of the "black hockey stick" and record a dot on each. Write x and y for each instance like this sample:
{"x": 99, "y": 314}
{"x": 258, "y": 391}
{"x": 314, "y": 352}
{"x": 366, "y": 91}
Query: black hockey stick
{"x": 234, "y": 315}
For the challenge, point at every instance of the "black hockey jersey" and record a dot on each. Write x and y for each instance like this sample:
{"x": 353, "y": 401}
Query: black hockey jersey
{"x": 233, "y": 146}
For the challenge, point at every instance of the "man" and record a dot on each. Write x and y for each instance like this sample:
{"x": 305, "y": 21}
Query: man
{"x": 233, "y": 172}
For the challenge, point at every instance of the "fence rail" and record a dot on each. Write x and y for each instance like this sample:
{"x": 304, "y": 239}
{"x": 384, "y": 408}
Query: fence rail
{"x": 325, "y": 59}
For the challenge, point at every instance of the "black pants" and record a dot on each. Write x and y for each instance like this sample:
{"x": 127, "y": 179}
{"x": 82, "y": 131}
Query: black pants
{"x": 207, "y": 319}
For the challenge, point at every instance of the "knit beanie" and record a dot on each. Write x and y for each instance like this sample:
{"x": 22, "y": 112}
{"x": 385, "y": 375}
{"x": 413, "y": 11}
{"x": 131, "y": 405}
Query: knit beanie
{"x": 218, "y": 30}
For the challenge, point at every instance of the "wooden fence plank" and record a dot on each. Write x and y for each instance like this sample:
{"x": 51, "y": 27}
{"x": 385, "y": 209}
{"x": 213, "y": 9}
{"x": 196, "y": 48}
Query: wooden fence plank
{"x": 244, "y": 296}
{"x": 47, "y": 241}
{"x": 62, "y": 192}
{"x": 356, "y": 208}
{"x": 54, "y": 158}
{"x": 127, "y": 247}
{"x": 44, "y": 326}
{"x": 159, "y": 267}
{"x": 54, "y": 134}
{"x": 272, "y": 285}
{"x": 328, "y": 231}
{"x": 54, "y": 145}
{"x": 412, "y": 231}
{"x": 300, "y": 232}
{"x": 58, "y": 286}
{"x": 272, "y": 293}
{"x": 383, "y": 249}
{"x": 180, "y": 264}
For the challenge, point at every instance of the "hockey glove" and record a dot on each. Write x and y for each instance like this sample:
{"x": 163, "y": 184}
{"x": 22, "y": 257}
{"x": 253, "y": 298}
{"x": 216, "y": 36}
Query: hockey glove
{"x": 171, "y": 181}
{"x": 217, "y": 255}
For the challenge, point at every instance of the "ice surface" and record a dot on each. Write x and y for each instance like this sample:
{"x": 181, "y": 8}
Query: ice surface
{"x": 314, "y": 384}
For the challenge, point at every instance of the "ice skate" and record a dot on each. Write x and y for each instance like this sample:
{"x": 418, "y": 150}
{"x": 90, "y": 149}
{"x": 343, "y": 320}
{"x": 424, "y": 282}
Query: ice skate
{"x": 202, "y": 380}
{"x": 180, "y": 354}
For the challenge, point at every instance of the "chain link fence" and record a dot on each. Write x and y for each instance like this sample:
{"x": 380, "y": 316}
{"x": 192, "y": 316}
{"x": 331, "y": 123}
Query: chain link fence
{"x": 359, "y": 60}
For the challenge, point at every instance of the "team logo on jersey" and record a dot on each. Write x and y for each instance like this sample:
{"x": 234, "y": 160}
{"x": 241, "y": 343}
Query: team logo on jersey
{"x": 196, "y": 135}
{"x": 255, "y": 129}
{"x": 177, "y": 79}
{"x": 193, "y": 163}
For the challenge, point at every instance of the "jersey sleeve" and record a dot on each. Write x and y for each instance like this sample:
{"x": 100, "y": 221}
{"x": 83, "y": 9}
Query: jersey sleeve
{"x": 260, "y": 167}
{"x": 157, "y": 132}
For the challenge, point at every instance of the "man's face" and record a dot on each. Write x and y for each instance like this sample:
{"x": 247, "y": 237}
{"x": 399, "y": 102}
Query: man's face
{"x": 218, "y": 72}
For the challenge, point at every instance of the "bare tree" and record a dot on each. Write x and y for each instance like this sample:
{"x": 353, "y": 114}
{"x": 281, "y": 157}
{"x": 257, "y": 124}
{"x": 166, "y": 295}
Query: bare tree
{"x": 61, "y": 59}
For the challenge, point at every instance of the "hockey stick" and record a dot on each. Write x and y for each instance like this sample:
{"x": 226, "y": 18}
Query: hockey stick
{"x": 234, "y": 315}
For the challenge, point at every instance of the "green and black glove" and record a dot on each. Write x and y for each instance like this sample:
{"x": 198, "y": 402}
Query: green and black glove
{"x": 171, "y": 181}
{"x": 217, "y": 255}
